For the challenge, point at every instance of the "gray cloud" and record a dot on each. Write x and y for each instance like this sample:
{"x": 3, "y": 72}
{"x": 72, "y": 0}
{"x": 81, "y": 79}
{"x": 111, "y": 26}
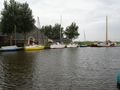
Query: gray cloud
{"x": 88, "y": 14}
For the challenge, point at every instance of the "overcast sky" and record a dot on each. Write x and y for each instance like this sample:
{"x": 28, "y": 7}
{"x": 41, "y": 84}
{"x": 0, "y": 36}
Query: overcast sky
{"x": 89, "y": 15}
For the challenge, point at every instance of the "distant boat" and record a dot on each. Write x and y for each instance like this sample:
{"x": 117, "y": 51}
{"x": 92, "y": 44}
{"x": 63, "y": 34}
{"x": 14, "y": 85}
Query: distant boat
{"x": 102, "y": 44}
{"x": 71, "y": 45}
{"x": 84, "y": 45}
{"x": 107, "y": 43}
{"x": 57, "y": 46}
{"x": 10, "y": 48}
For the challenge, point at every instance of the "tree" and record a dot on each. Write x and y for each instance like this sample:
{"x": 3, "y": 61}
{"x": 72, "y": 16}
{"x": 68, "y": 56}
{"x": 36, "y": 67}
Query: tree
{"x": 16, "y": 17}
{"x": 71, "y": 31}
{"x": 0, "y": 26}
{"x": 8, "y": 20}
{"x": 53, "y": 32}
{"x": 57, "y": 32}
{"x": 26, "y": 21}
{"x": 47, "y": 30}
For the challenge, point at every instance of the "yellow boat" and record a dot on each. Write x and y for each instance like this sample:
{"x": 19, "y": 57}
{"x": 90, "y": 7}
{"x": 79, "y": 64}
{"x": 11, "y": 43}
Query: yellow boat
{"x": 34, "y": 47}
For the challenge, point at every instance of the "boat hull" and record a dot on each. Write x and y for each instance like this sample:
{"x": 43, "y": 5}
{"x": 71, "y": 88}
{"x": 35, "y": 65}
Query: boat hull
{"x": 57, "y": 46}
{"x": 84, "y": 46}
{"x": 36, "y": 47}
{"x": 10, "y": 48}
{"x": 72, "y": 45}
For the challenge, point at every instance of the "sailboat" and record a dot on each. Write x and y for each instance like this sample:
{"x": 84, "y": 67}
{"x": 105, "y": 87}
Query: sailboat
{"x": 72, "y": 45}
{"x": 107, "y": 43}
{"x": 34, "y": 46}
{"x": 12, "y": 47}
{"x": 58, "y": 45}
{"x": 84, "y": 45}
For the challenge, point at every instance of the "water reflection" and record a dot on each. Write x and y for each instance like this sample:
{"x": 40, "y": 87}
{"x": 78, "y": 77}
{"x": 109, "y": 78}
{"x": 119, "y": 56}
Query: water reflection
{"x": 18, "y": 68}
{"x": 60, "y": 69}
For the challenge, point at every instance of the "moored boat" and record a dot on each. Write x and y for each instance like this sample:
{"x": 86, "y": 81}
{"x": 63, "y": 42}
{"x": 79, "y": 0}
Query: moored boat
{"x": 57, "y": 46}
{"x": 10, "y": 48}
{"x": 34, "y": 47}
{"x": 72, "y": 45}
{"x": 84, "y": 46}
{"x": 107, "y": 43}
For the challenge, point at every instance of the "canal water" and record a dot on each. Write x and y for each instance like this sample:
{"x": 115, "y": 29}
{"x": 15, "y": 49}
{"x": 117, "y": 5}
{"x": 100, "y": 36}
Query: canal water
{"x": 60, "y": 69}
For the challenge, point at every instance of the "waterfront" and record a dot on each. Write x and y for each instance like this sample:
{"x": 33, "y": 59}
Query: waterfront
{"x": 60, "y": 69}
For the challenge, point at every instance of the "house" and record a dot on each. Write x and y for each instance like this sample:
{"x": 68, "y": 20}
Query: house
{"x": 35, "y": 34}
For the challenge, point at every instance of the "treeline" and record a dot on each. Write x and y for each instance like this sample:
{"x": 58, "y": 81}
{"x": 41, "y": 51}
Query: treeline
{"x": 17, "y": 17}
{"x": 57, "y": 32}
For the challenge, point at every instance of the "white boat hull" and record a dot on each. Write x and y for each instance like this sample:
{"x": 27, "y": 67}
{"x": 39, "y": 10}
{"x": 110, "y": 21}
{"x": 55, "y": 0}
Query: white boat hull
{"x": 55, "y": 46}
{"x": 72, "y": 45}
{"x": 10, "y": 48}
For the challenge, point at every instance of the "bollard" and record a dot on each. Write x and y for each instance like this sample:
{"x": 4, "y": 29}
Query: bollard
{"x": 118, "y": 81}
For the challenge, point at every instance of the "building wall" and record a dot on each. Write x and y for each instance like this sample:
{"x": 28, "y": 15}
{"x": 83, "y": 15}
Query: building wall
{"x": 36, "y": 34}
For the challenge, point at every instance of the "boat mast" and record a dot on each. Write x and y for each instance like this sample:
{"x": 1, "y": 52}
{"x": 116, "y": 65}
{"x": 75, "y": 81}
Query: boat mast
{"x": 84, "y": 36}
{"x": 60, "y": 27}
{"x": 38, "y": 25}
{"x": 106, "y": 29}
{"x": 15, "y": 33}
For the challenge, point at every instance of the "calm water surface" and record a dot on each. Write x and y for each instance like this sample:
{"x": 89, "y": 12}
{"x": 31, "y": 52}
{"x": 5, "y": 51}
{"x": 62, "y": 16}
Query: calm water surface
{"x": 60, "y": 69}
